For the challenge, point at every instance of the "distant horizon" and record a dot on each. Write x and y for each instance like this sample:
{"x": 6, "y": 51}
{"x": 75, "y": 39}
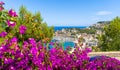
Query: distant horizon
{"x": 67, "y": 27}
{"x": 69, "y": 12}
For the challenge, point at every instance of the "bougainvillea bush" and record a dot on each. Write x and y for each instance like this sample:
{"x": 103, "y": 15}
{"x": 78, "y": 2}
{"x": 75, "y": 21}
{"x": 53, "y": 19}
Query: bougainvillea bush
{"x": 32, "y": 54}
{"x": 24, "y": 25}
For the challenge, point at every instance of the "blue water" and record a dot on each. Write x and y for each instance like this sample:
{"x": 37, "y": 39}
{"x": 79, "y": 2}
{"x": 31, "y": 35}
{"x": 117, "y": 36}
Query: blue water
{"x": 68, "y": 44}
{"x": 66, "y": 27}
{"x": 64, "y": 44}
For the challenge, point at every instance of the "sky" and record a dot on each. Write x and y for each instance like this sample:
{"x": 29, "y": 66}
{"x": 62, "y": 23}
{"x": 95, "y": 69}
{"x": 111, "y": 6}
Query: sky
{"x": 69, "y": 12}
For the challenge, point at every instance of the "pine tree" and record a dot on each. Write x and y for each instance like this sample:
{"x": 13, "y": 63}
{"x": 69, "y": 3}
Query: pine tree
{"x": 110, "y": 41}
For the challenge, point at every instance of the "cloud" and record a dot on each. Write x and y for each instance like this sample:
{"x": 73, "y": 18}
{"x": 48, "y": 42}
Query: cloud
{"x": 102, "y": 13}
{"x": 95, "y": 19}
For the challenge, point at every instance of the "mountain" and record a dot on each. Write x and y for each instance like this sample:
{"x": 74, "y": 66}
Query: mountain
{"x": 100, "y": 24}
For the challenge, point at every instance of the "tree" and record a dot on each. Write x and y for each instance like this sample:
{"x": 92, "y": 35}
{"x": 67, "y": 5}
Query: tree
{"x": 36, "y": 27}
{"x": 110, "y": 40}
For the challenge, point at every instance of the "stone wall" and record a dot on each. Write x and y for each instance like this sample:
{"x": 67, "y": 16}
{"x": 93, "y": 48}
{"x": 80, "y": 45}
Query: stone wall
{"x": 115, "y": 54}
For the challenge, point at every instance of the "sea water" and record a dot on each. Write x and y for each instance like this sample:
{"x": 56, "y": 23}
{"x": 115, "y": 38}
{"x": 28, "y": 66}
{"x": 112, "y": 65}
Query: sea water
{"x": 68, "y": 27}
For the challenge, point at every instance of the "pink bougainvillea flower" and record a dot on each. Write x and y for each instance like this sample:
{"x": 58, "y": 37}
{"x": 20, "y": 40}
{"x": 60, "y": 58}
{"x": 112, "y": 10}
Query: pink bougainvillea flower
{"x": 22, "y": 29}
{"x": 11, "y": 23}
{"x": 3, "y": 34}
{"x": 1, "y": 8}
{"x": 12, "y": 13}
{"x": 2, "y": 3}
{"x": 14, "y": 39}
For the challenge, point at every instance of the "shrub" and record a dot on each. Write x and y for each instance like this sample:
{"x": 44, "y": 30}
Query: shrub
{"x": 32, "y": 55}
